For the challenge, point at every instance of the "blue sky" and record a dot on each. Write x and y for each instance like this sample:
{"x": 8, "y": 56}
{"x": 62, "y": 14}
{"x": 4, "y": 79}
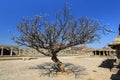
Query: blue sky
{"x": 12, "y": 12}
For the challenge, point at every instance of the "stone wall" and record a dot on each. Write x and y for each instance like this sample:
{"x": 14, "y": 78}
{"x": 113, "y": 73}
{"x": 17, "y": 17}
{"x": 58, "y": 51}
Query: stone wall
{"x": 66, "y": 52}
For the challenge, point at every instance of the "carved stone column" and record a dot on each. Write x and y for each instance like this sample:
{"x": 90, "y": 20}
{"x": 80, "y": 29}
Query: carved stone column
{"x": 99, "y": 53}
{"x": 118, "y": 55}
{"x": 95, "y": 53}
{"x": 108, "y": 53}
{"x": 11, "y": 50}
{"x": 19, "y": 52}
{"x": 103, "y": 53}
{"x": 1, "y": 51}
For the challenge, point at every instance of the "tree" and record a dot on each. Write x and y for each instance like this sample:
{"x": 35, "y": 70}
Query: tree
{"x": 64, "y": 32}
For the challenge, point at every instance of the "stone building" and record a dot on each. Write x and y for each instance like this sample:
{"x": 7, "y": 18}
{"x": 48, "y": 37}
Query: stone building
{"x": 116, "y": 45}
{"x": 9, "y": 50}
{"x": 104, "y": 52}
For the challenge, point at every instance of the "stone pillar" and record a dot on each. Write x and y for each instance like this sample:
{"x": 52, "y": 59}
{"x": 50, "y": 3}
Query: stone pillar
{"x": 95, "y": 53}
{"x": 18, "y": 51}
{"x": 99, "y": 53}
{"x": 1, "y": 51}
{"x": 108, "y": 53}
{"x": 103, "y": 53}
{"x": 11, "y": 50}
{"x": 112, "y": 53}
{"x": 118, "y": 56}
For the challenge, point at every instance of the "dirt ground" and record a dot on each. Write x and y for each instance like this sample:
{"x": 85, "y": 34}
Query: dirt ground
{"x": 27, "y": 69}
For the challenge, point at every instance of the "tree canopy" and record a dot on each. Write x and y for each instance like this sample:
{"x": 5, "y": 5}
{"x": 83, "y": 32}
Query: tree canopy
{"x": 65, "y": 31}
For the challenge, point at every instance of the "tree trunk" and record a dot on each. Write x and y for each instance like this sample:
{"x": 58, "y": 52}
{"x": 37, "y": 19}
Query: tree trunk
{"x": 60, "y": 65}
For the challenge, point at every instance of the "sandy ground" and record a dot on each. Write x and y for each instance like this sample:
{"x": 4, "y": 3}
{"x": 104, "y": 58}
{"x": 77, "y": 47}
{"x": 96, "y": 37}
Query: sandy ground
{"x": 22, "y": 70}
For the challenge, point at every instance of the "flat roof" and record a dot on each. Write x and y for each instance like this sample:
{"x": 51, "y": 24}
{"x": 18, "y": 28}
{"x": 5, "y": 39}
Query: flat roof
{"x": 8, "y": 46}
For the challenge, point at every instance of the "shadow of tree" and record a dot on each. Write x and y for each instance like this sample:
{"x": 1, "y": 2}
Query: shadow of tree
{"x": 108, "y": 63}
{"x": 50, "y": 69}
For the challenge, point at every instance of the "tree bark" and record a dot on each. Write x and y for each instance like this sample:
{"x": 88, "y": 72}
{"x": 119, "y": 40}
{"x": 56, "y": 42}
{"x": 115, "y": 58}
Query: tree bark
{"x": 60, "y": 65}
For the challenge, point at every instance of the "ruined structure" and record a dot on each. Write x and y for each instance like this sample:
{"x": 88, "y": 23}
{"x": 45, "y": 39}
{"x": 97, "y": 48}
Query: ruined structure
{"x": 104, "y": 52}
{"x": 9, "y": 50}
{"x": 116, "y": 45}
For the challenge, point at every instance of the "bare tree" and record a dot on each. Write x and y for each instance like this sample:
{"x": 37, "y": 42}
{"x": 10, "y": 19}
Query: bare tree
{"x": 64, "y": 32}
